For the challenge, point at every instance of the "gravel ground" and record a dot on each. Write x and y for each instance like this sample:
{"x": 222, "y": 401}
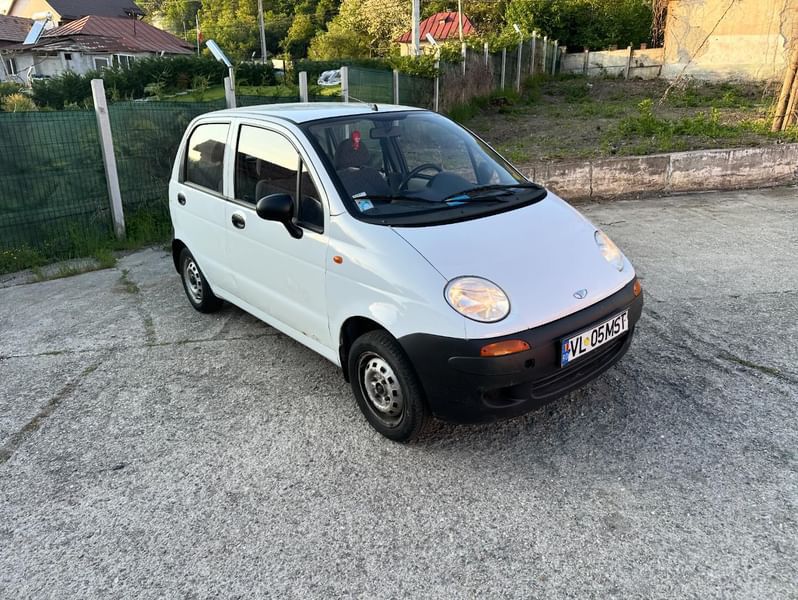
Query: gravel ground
{"x": 148, "y": 451}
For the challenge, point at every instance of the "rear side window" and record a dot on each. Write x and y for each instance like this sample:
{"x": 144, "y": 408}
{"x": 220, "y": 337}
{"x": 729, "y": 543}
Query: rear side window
{"x": 205, "y": 156}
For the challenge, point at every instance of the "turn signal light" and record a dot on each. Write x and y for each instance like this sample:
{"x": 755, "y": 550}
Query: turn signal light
{"x": 637, "y": 287}
{"x": 504, "y": 348}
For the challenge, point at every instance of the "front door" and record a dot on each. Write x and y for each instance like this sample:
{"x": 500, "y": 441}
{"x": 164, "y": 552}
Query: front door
{"x": 280, "y": 276}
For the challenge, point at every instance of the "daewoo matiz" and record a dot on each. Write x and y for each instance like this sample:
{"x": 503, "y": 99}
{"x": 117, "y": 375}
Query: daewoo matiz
{"x": 405, "y": 250}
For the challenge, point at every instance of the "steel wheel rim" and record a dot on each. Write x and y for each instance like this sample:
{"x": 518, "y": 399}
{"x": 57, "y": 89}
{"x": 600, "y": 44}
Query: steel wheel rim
{"x": 381, "y": 388}
{"x": 193, "y": 279}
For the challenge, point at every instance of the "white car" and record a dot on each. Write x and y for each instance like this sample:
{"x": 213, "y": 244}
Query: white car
{"x": 403, "y": 249}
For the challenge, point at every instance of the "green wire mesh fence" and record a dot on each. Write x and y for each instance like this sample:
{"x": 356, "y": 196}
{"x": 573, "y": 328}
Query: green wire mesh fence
{"x": 53, "y": 193}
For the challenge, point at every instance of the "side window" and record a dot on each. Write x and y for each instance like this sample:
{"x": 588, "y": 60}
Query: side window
{"x": 311, "y": 211}
{"x": 205, "y": 156}
{"x": 267, "y": 163}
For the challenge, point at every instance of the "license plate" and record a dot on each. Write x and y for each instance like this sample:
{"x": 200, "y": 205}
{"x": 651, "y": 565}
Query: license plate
{"x": 590, "y": 339}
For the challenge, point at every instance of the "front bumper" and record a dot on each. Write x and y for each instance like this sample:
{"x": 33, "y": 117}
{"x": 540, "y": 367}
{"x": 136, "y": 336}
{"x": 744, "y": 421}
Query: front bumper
{"x": 463, "y": 387}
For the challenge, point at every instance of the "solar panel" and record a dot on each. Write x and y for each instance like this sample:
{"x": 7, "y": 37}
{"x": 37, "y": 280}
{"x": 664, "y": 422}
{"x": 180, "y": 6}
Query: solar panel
{"x": 35, "y": 32}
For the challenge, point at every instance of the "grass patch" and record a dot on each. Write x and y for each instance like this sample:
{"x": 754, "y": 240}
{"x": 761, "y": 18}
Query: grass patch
{"x": 144, "y": 228}
{"x": 571, "y": 116}
{"x": 216, "y": 92}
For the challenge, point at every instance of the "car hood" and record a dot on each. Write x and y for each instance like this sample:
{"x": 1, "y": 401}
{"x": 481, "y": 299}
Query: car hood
{"x": 541, "y": 255}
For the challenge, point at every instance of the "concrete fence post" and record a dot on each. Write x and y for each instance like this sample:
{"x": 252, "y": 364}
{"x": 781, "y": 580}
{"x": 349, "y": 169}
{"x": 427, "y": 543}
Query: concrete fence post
{"x": 586, "y": 63}
{"x": 504, "y": 67}
{"x": 345, "y": 83}
{"x": 518, "y": 66}
{"x": 534, "y": 51}
{"x": 303, "y": 86}
{"x": 396, "y": 86}
{"x": 464, "y": 55}
{"x": 486, "y": 51}
{"x": 554, "y": 46}
{"x": 109, "y": 158}
{"x": 545, "y": 51}
{"x": 628, "y": 68}
{"x": 229, "y": 93}
{"x": 437, "y": 99}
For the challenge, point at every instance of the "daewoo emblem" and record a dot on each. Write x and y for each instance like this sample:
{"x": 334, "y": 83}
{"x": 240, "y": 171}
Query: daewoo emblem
{"x": 580, "y": 294}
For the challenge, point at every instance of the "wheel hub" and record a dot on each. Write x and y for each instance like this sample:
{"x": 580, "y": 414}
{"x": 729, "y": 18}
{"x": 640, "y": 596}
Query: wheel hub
{"x": 381, "y": 387}
{"x": 193, "y": 281}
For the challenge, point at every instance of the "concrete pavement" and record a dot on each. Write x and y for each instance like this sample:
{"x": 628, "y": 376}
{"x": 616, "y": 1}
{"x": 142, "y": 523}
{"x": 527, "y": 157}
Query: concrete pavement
{"x": 148, "y": 451}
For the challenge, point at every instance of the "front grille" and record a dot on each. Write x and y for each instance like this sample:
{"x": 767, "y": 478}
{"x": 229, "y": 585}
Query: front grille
{"x": 576, "y": 373}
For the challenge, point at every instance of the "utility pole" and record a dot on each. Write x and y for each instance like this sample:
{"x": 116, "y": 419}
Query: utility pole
{"x": 415, "y": 27}
{"x": 460, "y": 19}
{"x": 199, "y": 34}
{"x": 262, "y": 32}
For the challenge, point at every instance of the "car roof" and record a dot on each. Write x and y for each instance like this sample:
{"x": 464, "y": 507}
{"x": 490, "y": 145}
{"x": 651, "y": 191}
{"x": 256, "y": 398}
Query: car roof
{"x": 302, "y": 112}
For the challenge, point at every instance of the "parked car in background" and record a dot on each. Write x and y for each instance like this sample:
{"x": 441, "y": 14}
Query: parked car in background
{"x": 330, "y": 78}
{"x": 403, "y": 249}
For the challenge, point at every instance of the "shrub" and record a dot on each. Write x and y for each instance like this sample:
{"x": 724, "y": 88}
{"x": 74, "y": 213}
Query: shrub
{"x": 18, "y": 103}
{"x": 171, "y": 74}
{"x": 8, "y": 88}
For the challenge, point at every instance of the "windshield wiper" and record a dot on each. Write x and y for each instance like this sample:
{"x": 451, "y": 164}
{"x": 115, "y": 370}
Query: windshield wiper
{"x": 503, "y": 187}
{"x": 391, "y": 198}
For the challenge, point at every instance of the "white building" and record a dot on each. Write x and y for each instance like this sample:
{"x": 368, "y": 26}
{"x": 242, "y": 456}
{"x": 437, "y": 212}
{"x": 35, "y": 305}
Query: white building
{"x": 87, "y": 44}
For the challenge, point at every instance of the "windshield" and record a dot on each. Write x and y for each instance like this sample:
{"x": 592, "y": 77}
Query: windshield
{"x": 416, "y": 167}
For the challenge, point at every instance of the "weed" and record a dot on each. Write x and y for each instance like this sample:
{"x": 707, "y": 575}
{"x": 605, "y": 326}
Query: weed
{"x": 105, "y": 258}
{"x": 129, "y": 286}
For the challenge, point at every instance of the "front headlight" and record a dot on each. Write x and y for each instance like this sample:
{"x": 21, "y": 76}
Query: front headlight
{"x": 477, "y": 299}
{"x": 609, "y": 250}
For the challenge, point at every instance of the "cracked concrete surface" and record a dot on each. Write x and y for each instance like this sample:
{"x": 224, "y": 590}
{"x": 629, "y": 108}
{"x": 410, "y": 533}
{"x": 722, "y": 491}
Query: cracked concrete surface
{"x": 148, "y": 451}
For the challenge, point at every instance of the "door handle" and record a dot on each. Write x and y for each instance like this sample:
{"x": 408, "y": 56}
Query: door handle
{"x": 239, "y": 222}
{"x": 181, "y": 199}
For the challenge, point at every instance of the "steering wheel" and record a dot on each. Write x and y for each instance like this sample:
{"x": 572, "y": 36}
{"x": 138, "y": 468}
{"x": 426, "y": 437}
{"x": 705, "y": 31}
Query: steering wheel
{"x": 417, "y": 173}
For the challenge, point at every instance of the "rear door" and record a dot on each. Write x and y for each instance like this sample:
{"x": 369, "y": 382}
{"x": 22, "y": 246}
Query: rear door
{"x": 197, "y": 201}
{"x": 278, "y": 275}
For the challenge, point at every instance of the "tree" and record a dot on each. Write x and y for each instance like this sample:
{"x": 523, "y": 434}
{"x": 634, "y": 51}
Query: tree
{"x": 585, "y": 23}
{"x": 299, "y": 35}
{"x": 368, "y": 27}
{"x": 338, "y": 42}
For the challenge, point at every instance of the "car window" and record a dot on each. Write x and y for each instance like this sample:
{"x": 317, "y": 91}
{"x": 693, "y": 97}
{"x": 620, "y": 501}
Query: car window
{"x": 205, "y": 156}
{"x": 267, "y": 163}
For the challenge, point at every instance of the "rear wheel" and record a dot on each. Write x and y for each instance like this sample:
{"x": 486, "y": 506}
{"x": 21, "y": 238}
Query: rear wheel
{"x": 386, "y": 387}
{"x": 198, "y": 291}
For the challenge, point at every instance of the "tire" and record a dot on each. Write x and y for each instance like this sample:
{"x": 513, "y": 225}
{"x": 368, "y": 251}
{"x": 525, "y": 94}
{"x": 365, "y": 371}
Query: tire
{"x": 198, "y": 290}
{"x": 386, "y": 387}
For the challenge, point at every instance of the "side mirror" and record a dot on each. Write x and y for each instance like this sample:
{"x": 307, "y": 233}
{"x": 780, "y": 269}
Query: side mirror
{"x": 280, "y": 208}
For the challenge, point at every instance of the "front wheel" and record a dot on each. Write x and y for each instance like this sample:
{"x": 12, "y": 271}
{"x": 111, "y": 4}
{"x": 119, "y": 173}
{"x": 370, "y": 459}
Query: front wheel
{"x": 386, "y": 387}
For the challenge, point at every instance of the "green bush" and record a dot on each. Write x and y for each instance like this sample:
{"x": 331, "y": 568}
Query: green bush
{"x": 18, "y": 102}
{"x": 8, "y": 88}
{"x": 171, "y": 74}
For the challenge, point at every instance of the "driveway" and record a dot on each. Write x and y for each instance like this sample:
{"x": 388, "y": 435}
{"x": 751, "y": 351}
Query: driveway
{"x": 148, "y": 451}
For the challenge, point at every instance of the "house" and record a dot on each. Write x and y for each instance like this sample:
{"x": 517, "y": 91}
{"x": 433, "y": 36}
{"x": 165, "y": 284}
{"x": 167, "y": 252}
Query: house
{"x": 713, "y": 39}
{"x": 13, "y": 30}
{"x": 64, "y": 11}
{"x": 91, "y": 43}
{"x": 443, "y": 26}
